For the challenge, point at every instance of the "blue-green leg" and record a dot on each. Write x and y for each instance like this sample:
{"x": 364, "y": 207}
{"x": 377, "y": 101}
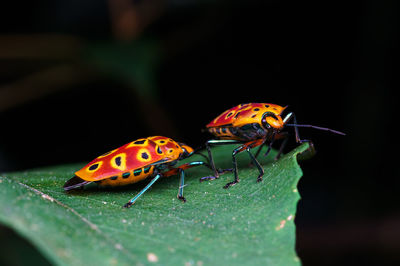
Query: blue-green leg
{"x": 133, "y": 200}
{"x": 181, "y": 185}
{"x": 182, "y": 176}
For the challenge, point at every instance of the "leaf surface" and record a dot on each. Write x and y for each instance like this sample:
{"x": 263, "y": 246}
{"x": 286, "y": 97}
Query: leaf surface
{"x": 251, "y": 223}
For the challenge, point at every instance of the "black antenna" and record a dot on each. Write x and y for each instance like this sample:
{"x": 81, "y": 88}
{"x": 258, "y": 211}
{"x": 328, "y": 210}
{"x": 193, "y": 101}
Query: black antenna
{"x": 320, "y": 128}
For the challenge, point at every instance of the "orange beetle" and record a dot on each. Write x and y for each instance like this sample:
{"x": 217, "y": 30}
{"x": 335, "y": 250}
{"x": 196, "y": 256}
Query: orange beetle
{"x": 135, "y": 161}
{"x": 251, "y": 125}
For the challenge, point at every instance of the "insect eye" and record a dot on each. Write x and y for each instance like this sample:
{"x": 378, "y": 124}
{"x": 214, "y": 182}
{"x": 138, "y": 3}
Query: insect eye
{"x": 264, "y": 122}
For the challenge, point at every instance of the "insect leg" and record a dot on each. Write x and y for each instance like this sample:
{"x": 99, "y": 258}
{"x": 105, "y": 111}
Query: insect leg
{"x": 197, "y": 151}
{"x": 258, "y": 151}
{"x": 259, "y": 167}
{"x": 246, "y": 146}
{"x": 134, "y": 199}
{"x": 296, "y": 128}
{"x": 283, "y": 145}
{"x": 235, "y": 170}
{"x": 269, "y": 146}
{"x": 181, "y": 185}
{"x": 212, "y": 164}
{"x": 180, "y": 169}
{"x": 174, "y": 171}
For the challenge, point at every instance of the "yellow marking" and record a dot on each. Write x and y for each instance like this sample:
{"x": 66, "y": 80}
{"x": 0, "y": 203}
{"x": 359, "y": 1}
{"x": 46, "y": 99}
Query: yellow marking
{"x": 98, "y": 167}
{"x": 244, "y": 108}
{"x": 161, "y": 142}
{"x": 158, "y": 150}
{"x": 122, "y": 165}
{"x": 143, "y": 155}
{"x": 230, "y": 114}
{"x": 133, "y": 144}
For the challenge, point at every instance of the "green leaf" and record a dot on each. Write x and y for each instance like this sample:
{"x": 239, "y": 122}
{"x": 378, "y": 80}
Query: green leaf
{"x": 250, "y": 223}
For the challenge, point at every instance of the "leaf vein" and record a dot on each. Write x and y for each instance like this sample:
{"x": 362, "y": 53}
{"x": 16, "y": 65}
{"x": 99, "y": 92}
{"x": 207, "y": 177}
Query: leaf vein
{"x": 86, "y": 221}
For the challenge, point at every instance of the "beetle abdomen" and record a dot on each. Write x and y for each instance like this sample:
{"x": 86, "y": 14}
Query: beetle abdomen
{"x": 223, "y": 132}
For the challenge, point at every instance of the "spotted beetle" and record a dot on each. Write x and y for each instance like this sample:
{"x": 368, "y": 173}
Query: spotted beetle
{"x": 252, "y": 125}
{"x": 135, "y": 161}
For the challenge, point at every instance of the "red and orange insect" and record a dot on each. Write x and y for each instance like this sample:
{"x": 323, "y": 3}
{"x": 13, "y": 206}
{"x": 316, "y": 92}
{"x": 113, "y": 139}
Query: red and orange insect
{"x": 251, "y": 125}
{"x": 133, "y": 162}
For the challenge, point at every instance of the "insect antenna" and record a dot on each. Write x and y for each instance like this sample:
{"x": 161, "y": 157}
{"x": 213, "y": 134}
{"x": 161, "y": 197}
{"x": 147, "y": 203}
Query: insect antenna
{"x": 319, "y": 128}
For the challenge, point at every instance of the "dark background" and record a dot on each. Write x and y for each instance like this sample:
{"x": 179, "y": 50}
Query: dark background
{"x": 79, "y": 78}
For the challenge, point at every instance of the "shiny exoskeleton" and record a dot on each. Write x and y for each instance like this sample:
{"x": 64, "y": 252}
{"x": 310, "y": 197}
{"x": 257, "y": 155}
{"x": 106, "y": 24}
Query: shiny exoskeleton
{"x": 251, "y": 125}
{"x": 153, "y": 157}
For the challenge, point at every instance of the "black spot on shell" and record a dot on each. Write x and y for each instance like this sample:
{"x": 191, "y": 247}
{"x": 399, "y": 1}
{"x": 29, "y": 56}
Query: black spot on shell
{"x": 94, "y": 167}
{"x": 267, "y": 105}
{"x": 253, "y": 116}
{"x": 137, "y": 172}
{"x": 256, "y": 109}
{"x": 118, "y": 161}
{"x": 236, "y": 116}
{"x": 145, "y": 155}
{"x": 159, "y": 151}
{"x": 114, "y": 177}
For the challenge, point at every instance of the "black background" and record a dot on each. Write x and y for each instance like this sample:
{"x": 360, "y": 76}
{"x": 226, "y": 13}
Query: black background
{"x": 333, "y": 63}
